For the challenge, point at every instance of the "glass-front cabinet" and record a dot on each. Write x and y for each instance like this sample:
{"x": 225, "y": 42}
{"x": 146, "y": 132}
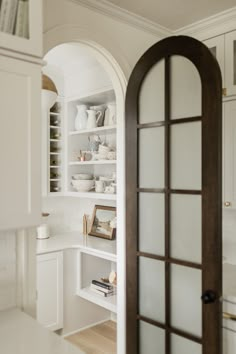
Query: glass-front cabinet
{"x": 21, "y": 26}
{"x": 223, "y": 47}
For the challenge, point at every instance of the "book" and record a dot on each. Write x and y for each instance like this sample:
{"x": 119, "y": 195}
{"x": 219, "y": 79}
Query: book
{"x": 8, "y": 15}
{"x": 22, "y": 19}
{"x": 101, "y": 293}
{"x": 102, "y": 285}
{"x": 107, "y": 291}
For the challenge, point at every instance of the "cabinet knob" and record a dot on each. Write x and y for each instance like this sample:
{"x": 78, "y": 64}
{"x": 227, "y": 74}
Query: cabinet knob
{"x": 227, "y": 204}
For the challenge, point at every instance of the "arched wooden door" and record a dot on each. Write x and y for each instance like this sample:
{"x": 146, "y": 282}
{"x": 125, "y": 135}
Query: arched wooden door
{"x": 173, "y": 184}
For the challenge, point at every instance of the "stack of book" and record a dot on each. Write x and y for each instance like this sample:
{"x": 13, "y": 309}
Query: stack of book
{"x": 102, "y": 288}
{"x": 14, "y": 17}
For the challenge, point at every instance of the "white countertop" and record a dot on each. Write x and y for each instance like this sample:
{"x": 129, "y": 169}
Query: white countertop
{"x": 75, "y": 239}
{"x": 21, "y": 334}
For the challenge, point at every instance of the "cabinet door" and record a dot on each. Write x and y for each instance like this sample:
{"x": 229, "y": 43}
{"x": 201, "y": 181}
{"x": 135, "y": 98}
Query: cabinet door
{"x": 230, "y": 63}
{"x": 229, "y": 341}
{"x": 50, "y": 290}
{"x": 20, "y": 102}
{"x": 229, "y": 154}
{"x": 33, "y": 44}
{"x": 217, "y": 47}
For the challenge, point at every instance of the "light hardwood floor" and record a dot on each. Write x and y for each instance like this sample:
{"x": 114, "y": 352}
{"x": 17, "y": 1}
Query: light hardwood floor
{"x": 100, "y": 339}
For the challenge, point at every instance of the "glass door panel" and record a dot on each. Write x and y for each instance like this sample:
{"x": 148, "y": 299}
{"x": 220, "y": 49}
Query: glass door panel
{"x": 152, "y": 223}
{"x": 180, "y": 345}
{"x": 186, "y": 227}
{"x": 186, "y": 290}
{"x": 152, "y": 95}
{"x": 186, "y": 156}
{"x": 151, "y": 171}
{"x": 185, "y": 89}
{"x": 151, "y": 338}
{"x": 151, "y": 291}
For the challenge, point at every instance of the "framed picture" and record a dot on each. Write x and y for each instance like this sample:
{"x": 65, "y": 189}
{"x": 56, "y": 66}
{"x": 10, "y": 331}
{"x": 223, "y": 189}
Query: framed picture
{"x": 103, "y": 223}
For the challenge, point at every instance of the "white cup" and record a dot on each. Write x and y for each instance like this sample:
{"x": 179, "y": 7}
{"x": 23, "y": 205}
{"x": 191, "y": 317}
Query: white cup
{"x": 99, "y": 186}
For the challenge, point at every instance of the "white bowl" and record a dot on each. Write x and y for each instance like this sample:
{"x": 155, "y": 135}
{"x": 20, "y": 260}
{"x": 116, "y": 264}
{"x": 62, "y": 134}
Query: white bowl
{"x": 83, "y": 185}
{"x": 82, "y": 176}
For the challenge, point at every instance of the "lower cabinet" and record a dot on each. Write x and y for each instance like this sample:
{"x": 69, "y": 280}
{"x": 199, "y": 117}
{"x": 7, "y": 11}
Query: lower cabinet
{"x": 229, "y": 154}
{"x": 50, "y": 290}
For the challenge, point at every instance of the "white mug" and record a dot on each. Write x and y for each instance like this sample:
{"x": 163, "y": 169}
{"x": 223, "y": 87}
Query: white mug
{"x": 99, "y": 186}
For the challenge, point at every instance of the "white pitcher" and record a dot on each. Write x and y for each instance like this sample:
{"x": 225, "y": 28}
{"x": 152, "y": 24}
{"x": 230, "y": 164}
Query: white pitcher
{"x": 81, "y": 117}
{"x": 93, "y": 118}
{"x": 110, "y": 114}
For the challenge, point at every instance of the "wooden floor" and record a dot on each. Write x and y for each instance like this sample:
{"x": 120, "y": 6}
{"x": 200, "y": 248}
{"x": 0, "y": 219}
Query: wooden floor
{"x": 100, "y": 339}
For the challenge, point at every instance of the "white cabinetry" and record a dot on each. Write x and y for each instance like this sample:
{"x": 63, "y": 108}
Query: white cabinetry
{"x": 224, "y": 48}
{"x": 20, "y": 143}
{"x": 229, "y": 341}
{"x": 229, "y": 154}
{"x": 33, "y": 44}
{"x": 50, "y": 290}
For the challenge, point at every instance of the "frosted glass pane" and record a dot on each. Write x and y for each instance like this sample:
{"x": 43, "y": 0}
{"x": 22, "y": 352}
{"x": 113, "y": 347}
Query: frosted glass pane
{"x": 151, "y": 339}
{"x": 152, "y": 289}
{"x": 186, "y": 306}
{"x": 180, "y": 345}
{"x": 185, "y": 88}
{"x": 186, "y": 227}
{"x": 151, "y": 223}
{"x": 152, "y": 95}
{"x": 186, "y": 156}
{"x": 151, "y": 157}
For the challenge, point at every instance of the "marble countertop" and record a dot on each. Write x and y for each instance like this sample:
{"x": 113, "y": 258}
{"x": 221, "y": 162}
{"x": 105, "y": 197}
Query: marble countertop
{"x": 21, "y": 334}
{"x": 76, "y": 239}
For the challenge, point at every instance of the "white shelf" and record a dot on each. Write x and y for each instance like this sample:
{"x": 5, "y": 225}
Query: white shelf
{"x": 104, "y": 129}
{"x": 92, "y": 195}
{"x": 55, "y": 153}
{"x": 57, "y": 140}
{"x": 99, "y": 162}
{"x": 54, "y": 180}
{"x": 54, "y": 166}
{"x": 108, "y": 303}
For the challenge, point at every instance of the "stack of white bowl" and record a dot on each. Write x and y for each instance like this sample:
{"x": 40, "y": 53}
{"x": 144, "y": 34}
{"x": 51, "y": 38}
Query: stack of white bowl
{"x": 83, "y": 182}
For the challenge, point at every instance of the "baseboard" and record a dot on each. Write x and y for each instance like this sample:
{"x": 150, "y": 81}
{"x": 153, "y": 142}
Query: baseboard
{"x": 86, "y": 327}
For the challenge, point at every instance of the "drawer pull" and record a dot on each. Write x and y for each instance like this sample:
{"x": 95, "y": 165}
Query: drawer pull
{"x": 227, "y": 204}
{"x": 229, "y": 316}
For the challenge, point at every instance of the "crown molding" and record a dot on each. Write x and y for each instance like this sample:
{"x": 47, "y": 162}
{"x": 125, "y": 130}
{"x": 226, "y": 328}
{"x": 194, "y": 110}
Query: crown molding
{"x": 106, "y": 8}
{"x": 211, "y": 26}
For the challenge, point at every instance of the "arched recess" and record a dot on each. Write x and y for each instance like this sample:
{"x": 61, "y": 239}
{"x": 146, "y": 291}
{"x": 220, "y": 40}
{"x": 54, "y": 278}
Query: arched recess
{"x": 173, "y": 199}
{"x": 110, "y": 57}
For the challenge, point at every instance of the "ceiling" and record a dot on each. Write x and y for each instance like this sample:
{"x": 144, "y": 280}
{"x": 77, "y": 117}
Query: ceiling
{"x": 174, "y": 14}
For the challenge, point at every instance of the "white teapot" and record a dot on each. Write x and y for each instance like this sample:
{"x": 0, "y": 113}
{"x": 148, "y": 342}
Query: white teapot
{"x": 93, "y": 118}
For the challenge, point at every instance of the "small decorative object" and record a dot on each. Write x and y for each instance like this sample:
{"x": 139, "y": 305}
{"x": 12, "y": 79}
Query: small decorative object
{"x": 94, "y": 143}
{"x": 111, "y": 155}
{"x": 101, "y": 224}
{"x": 99, "y": 186}
{"x": 81, "y": 117}
{"x": 93, "y": 118}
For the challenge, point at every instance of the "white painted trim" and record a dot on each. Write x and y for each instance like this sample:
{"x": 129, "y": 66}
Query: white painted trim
{"x": 211, "y": 26}
{"x": 106, "y": 8}
{"x": 84, "y": 328}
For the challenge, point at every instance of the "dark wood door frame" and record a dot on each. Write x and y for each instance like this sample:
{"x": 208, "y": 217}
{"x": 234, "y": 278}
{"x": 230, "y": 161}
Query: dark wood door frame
{"x": 211, "y": 119}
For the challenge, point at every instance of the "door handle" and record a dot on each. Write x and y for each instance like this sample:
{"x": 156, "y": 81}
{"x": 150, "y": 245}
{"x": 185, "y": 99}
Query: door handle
{"x": 208, "y": 297}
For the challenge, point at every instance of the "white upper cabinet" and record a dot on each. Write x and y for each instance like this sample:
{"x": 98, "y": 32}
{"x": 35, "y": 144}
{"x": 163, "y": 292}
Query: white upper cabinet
{"x": 229, "y": 154}
{"x": 230, "y": 63}
{"x": 26, "y": 35}
{"x": 20, "y": 139}
{"x": 224, "y": 48}
{"x": 217, "y": 48}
